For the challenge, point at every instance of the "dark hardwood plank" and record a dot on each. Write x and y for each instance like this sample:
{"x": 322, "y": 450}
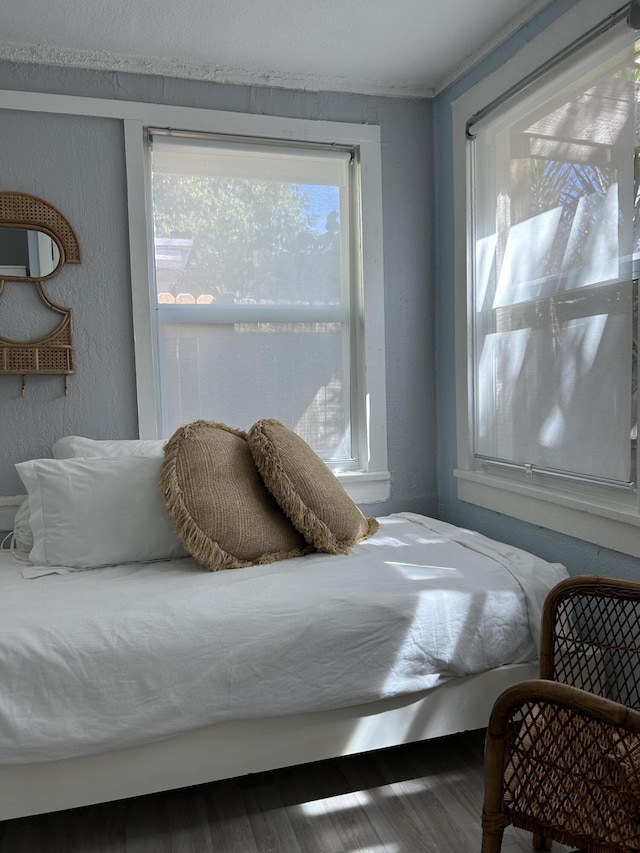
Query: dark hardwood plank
{"x": 308, "y": 805}
{"x": 98, "y": 829}
{"x": 348, "y": 814}
{"x": 172, "y": 822}
{"x": 388, "y": 800}
{"x": 454, "y": 779}
{"x": 229, "y": 824}
{"x": 427, "y": 811}
{"x": 269, "y": 819}
{"x": 24, "y": 836}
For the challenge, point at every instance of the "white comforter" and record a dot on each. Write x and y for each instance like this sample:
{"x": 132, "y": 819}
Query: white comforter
{"x": 95, "y": 660}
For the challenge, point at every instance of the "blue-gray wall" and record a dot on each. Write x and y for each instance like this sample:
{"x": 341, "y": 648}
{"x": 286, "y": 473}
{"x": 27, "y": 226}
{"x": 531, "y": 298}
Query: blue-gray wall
{"x": 77, "y": 164}
{"x": 579, "y": 557}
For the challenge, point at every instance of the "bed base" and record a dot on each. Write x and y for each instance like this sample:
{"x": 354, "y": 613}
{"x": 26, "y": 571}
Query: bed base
{"x": 237, "y": 748}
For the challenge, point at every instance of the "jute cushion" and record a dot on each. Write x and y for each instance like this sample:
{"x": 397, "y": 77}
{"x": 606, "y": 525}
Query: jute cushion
{"x": 217, "y": 502}
{"x": 306, "y": 490}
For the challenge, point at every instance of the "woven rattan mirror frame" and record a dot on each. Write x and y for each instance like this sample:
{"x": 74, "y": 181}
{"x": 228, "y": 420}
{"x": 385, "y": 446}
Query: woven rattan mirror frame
{"x": 52, "y": 353}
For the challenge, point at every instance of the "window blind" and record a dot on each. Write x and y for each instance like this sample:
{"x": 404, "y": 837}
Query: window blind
{"x": 552, "y": 212}
{"x": 256, "y": 284}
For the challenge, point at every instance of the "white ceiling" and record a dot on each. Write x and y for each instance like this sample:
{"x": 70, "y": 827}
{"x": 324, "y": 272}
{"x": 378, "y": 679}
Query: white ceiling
{"x": 407, "y": 48}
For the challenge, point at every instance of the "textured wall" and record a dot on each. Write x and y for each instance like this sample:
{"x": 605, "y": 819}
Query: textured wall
{"x": 77, "y": 164}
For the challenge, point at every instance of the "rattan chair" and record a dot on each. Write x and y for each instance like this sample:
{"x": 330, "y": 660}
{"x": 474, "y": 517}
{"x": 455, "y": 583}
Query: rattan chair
{"x": 562, "y": 755}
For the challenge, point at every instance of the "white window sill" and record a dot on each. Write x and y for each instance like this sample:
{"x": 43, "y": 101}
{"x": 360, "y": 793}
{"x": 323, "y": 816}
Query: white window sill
{"x": 366, "y": 487}
{"x": 613, "y": 524}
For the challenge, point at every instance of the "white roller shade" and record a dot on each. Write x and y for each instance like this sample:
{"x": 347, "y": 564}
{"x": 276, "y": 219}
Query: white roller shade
{"x": 255, "y": 285}
{"x": 553, "y": 231}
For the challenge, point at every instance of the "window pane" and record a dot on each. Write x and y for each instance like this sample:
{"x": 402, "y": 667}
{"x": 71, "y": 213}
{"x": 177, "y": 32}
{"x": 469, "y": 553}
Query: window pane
{"x": 547, "y": 396}
{"x": 240, "y": 373}
{"x": 255, "y": 229}
{"x": 554, "y": 208}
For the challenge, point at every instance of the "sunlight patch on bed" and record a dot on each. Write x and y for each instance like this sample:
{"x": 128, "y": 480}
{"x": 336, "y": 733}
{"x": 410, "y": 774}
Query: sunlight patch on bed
{"x": 387, "y": 541}
{"x": 384, "y": 535}
{"x": 418, "y": 570}
{"x": 392, "y": 542}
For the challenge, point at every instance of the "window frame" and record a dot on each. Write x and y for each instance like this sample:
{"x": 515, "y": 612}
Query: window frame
{"x": 586, "y": 512}
{"x": 172, "y": 315}
{"x": 371, "y": 482}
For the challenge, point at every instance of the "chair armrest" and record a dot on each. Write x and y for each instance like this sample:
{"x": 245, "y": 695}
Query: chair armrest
{"x": 567, "y": 756}
{"x": 541, "y": 690}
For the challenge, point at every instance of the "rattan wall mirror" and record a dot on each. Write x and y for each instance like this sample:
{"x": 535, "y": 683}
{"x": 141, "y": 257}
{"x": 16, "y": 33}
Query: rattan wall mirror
{"x": 36, "y": 241}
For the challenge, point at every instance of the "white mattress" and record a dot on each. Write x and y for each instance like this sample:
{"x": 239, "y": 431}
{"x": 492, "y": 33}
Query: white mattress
{"x": 96, "y": 660}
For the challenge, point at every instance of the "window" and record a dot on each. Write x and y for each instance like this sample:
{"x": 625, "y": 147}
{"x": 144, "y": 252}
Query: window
{"x": 552, "y": 283}
{"x": 552, "y": 196}
{"x": 264, "y": 294}
{"x": 255, "y": 278}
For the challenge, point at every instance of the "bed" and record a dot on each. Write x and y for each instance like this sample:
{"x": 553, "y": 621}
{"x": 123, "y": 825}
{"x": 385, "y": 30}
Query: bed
{"x": 142, "y": 676}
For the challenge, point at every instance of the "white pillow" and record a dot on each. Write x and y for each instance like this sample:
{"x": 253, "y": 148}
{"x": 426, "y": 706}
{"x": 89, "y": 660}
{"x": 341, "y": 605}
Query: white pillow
{"x": 86, "y": 513}
{"x": 74, "y": 446}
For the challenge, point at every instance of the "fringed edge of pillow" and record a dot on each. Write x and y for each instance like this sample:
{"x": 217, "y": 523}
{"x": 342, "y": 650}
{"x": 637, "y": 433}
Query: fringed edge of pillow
{"x": 268, "y": 462}
{"x": 373, "y": 526}
{"x": 201, "y": 547}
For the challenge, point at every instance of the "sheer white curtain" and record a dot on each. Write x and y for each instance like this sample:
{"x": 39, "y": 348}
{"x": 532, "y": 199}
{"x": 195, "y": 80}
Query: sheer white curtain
{"x": 553, "y": 205}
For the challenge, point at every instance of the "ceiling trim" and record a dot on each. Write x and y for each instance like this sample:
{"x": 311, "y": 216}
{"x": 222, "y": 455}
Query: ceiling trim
{"x": 101, "y": 61}
{"x": 41, "y": 54}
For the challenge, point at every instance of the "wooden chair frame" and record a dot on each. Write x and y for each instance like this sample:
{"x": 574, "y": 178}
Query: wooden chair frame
{"x": 562, "y": 753}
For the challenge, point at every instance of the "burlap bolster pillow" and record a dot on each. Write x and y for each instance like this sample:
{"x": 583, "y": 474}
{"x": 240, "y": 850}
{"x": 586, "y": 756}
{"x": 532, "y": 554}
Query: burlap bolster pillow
{"x": 306, "y": 490}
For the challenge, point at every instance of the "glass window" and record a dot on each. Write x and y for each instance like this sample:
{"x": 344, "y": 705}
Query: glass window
{"x": 257, "y": 286}
{"x": 553, "y": 323}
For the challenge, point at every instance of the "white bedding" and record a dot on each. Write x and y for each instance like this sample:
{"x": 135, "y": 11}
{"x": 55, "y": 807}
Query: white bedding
{"x": 96, "y": 660}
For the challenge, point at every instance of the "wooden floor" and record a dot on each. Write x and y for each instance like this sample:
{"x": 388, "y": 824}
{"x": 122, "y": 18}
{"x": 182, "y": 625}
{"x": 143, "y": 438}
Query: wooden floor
{"x": 423, "y": 798}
